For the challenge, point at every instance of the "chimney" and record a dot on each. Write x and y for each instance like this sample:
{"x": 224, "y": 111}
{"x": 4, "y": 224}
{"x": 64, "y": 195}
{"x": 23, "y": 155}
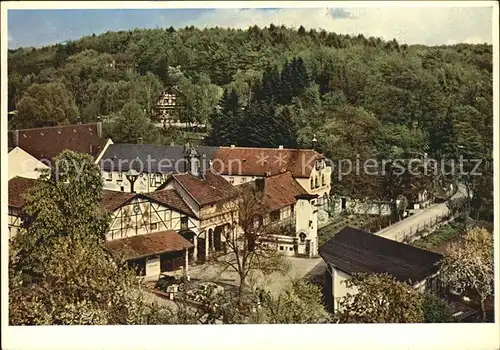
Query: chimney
{"x": 194, "y": 162}
{"x": 203, "y": 165}
{"x": 260, "y": 184}
{"x": 280, "y": 146}
{"x": 15, "y": 138}
{"x": 99, "y": 129}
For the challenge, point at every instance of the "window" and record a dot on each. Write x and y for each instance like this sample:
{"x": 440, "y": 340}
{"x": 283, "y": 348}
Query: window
{"x": 158, "y": 179}
{"x": 184, "y": 222}
{"x": 122, "y": 188}
{"x": 275, "y": 215}
{"x": 243, "y": 179}
{"x": 292, "y": 209}
{"x": 323, "y": 182}
{"x": 120, "y": 177}
{"x": 290, "y": 249}
{"x": 312, "y": 183}
{"x": 316, "y": 182}
{"x": 231, "y": 180}
{"x": 109, "y": 176}
{"x": 281, "y": 247}
{"x": 153, "y": 226}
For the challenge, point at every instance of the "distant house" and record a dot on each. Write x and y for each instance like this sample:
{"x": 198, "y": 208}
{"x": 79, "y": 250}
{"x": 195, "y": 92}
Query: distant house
{"x": 167, "y": 105}
{"x": 46, "y": 143}
{"x": 309, "y": 168}
{"x": 213, "y": 201}
{"x": 354, "y": 251}
{"x": 284, "y": 204}
{"x": 154, "y": 163}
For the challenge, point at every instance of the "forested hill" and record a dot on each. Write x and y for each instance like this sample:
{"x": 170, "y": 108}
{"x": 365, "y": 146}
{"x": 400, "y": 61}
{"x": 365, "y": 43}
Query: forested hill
{"x": 268, "y": 87}
{"x": 422, "y": 97}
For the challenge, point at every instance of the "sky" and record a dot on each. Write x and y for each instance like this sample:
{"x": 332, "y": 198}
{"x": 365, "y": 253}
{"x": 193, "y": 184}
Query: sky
{"x": 418, "y": 25}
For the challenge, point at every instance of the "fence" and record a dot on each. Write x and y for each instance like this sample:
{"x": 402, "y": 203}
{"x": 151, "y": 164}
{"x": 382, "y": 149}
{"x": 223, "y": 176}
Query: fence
{"x": 423, "y": 229}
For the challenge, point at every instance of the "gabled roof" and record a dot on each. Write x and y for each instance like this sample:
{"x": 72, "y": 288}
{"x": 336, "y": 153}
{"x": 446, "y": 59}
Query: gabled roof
{"x": 279, "y": 191}
{"x": 355, "y": 251}
{"x": 247, "y": 161}
{"x": 170, "y": 198}
{"x": 148, "y": 158}
{"x": 112, "y": 200}
{"x": 207, "y": 189}
{"x": 18, "y": 187}
{"x": 141, "y": 246}
{"x": 48, "y": 142}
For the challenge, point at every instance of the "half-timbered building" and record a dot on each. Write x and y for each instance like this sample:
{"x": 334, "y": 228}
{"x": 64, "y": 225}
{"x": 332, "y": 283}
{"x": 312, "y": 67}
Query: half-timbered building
{"x": 213, "y": 201}
{"x": 153, "y": 232}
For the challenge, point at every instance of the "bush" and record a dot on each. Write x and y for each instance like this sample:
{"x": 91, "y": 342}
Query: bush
{"x": 436, "y": 310}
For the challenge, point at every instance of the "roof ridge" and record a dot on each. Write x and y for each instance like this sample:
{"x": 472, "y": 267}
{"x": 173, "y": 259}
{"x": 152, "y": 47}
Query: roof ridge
{"x": 269, "y": 148}
{"x": 56, "y": 126}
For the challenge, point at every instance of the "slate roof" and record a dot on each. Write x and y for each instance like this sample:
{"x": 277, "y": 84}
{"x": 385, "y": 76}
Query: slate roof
{"x": 48, "y": 142}
{"x": 170, "y": 198}
{"x": 149, "y": 158}
{"x": 248, "y": 161}
{"x": 279, "y": 191}
{"x": 210, "y": 188}
{"x": 355, "y": 251}
{"x": 141, "y": 246}
{"x": 18, "y": 187}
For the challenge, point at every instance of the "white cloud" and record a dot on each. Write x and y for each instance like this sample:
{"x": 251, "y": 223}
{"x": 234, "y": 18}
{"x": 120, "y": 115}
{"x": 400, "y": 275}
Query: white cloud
{"x": 416, "y": 25}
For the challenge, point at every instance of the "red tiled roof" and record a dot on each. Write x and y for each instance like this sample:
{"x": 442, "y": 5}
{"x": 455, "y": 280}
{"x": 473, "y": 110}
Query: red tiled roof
{"x": 112, "y": 200}
{"x": 261, "y": 161}
{"x": 46, "y": 143}
{"x": 172, "y": 199}
{"x": 18, "y": 187}
{"x": 208, "y": 189}
{"x": 141, "y": 246}
{"x": 279, "y": 191}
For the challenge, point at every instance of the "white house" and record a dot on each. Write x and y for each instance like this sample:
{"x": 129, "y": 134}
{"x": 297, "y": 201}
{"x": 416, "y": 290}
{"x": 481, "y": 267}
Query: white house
{"x": 309, "y": 168}
{"x": 23, "y": 164}
{"x": 288, "y": 211}
{"x": 154, "y": 163}
{"x": 354, "y": 251}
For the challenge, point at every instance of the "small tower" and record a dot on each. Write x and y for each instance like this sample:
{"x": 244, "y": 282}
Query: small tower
{"x": 306, "y": 225}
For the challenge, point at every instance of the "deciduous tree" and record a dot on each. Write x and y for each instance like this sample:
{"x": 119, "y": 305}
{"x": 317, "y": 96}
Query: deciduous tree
{"x": 468, "y": 265}
{"x": 379, "y": 298}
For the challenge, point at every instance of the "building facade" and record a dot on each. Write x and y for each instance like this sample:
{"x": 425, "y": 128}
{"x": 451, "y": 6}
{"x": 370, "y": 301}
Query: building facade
{"x": 354, "y": 251}
{"x": 23, "y": 164}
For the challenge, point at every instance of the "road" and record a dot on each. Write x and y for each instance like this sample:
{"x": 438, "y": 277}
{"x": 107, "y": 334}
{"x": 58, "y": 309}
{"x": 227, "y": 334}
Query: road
{"x": 417, "y": 221}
